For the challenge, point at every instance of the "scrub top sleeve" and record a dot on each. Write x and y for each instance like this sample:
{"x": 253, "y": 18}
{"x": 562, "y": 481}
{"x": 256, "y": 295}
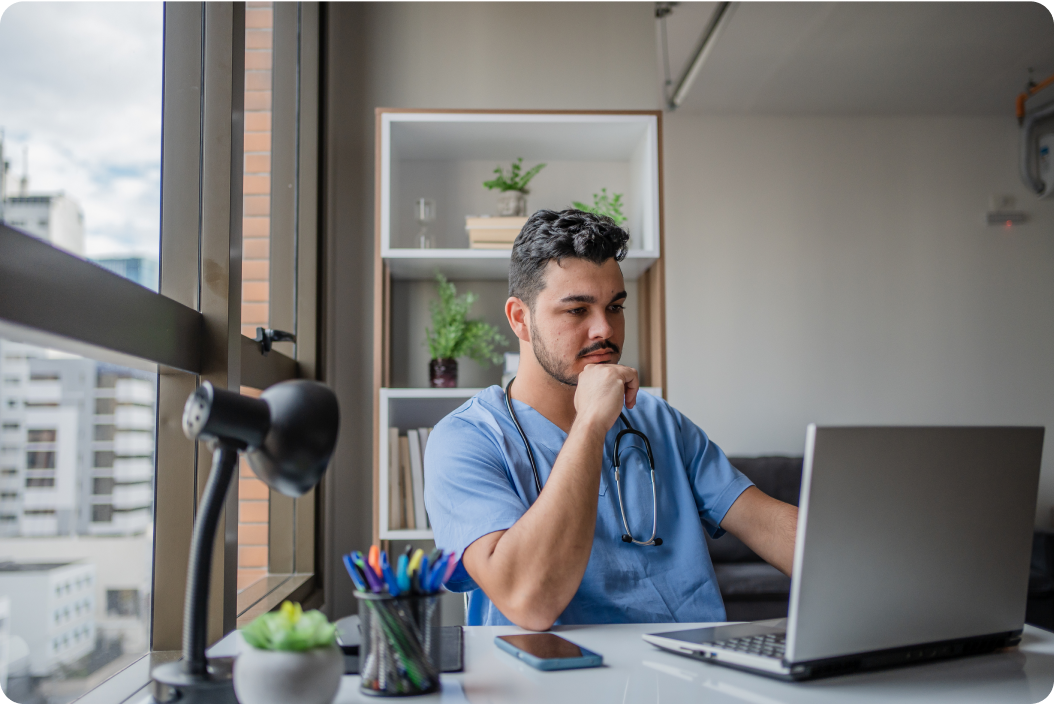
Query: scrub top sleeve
{"x": 468, "y": 491}
{"x": 716, "y": 484}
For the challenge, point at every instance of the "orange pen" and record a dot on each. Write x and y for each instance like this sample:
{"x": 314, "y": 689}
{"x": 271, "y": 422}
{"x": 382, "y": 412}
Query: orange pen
{"x": 375, "y": 558}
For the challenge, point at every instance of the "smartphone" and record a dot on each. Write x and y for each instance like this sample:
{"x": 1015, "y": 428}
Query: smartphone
{"x": 548, "y": 651}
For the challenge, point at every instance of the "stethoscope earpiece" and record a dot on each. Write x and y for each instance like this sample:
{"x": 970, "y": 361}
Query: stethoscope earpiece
{"x": 627, "y": 537}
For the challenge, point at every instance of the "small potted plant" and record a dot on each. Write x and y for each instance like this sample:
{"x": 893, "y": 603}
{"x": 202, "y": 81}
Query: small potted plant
{"x": 603, "y": 204}
{"x": 513, "y": 186}
{"x": 453, "y": 335}
{"x": 289, "y": 656}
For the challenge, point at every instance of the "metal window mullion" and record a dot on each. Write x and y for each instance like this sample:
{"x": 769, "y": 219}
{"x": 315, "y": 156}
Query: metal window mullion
{"x": 175, "y": 492}
{"x": 307, "y": 255}
{"x": 282, "y": 263}
{"x": 221, "y": 255}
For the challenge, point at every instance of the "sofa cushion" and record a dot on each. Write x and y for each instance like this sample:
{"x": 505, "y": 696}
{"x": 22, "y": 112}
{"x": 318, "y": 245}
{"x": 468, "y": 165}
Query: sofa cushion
{"x": 751, "y": 579}
{"x": 780, "y": 478}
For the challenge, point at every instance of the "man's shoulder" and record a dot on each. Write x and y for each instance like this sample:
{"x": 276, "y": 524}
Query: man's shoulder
{"x": 473, "y": 415}
{"x": 652, "y": 405}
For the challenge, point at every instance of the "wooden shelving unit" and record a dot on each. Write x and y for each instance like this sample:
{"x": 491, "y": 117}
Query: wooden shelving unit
{"x": 445, "y": 155}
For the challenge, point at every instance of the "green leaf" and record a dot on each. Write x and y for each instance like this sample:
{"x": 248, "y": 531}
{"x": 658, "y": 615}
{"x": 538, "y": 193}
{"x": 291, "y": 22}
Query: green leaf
{"x": 452, "y": 335}
{"x": 291, "y": 629}
{"x": 514, "y": 180}
{"x": 609, "y": 206}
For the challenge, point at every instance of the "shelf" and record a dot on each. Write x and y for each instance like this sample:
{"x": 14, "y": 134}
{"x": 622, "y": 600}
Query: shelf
{"x": 484, "y": 264}
{"x": 405, "y": 409}
{"x": 447, "y": 156}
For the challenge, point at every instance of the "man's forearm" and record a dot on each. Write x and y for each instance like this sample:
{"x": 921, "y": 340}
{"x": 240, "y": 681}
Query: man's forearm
{"x": 532, "y": 570}
{"x": 767, "y": 526}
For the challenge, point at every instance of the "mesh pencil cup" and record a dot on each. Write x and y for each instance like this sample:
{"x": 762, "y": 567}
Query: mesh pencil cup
{"x": 399, "y": 651}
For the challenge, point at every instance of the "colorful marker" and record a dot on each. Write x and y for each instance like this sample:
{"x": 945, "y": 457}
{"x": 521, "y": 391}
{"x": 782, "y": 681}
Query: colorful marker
{"x": 389, "y": 576}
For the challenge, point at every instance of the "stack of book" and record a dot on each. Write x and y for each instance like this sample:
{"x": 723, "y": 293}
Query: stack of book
{"x": 406, "y": 479}
{"x": 492, "y": 233}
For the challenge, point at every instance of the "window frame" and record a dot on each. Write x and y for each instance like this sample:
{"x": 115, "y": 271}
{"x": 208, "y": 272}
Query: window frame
{"x": 190, "y": 330}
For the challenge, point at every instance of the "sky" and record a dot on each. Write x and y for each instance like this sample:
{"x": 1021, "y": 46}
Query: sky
{"x": 80, "y": 86}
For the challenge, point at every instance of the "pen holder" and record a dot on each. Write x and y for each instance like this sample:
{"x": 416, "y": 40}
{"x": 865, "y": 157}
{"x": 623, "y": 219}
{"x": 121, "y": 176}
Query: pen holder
{"x": 399, "y": 651}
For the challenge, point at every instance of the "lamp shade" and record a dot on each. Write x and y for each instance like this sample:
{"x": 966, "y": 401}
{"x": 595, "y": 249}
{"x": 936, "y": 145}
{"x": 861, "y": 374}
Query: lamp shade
{"x": 288, "y": 434}
{"x": 305, "y": 419}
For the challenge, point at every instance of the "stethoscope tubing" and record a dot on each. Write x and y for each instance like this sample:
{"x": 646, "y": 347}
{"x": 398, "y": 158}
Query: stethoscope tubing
{"x": 627, "y": 537}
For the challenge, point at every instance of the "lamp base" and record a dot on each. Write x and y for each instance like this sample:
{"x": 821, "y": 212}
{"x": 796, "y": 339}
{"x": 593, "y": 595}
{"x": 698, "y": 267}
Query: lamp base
{"x": 171, "y": 683}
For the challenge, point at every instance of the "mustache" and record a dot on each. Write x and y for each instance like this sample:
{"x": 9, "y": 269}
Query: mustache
{"x": 596, "y": 347}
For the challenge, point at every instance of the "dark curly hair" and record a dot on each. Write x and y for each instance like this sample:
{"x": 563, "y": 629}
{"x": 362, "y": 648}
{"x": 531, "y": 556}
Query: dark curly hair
{"x": 555, "y": 235}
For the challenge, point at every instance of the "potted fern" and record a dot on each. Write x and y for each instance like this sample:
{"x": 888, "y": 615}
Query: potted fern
{"x": 289, "y": 656}
{"x": 453, "y": 335}
{"x": 513, "y": 186}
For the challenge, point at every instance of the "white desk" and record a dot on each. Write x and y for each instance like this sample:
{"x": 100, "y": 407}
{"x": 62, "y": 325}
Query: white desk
{"x": 638, "y": 672}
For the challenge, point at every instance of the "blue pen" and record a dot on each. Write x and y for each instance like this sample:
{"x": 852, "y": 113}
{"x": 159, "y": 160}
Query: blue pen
{"x": 389, "y": 576}
{"x": 436, "y": 578}
{"x": 422, "y": 576}
{"x": 401, "y": 576}
{"x": 371, "y": 577}
{"x": 350, "y": 567}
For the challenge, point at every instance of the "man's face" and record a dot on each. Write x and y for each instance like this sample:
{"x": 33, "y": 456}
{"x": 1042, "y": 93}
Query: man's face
{"x": 577, "y": 319}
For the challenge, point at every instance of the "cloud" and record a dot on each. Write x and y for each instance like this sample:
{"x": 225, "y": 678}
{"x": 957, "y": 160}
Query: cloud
{"x": 80, "y": 85}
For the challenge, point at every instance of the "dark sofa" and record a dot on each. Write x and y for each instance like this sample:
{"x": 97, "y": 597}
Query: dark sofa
{"x": 753, "y": 590}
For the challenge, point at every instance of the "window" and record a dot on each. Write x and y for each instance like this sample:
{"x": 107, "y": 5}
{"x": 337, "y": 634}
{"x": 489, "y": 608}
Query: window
{"x": 49, "y": 376}
{"x": 106, "y": 380}
{"x": 133, "y": 495}
{"x": 102, "y": 513}
{"x": 39, "y": 435}
{"x": 40, "y": 460}
{"x": 40, "y": 482}
{"x": 122, "y": 602}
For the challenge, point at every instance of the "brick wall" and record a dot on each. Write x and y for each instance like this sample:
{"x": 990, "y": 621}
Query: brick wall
{"x": 253, "y": 493}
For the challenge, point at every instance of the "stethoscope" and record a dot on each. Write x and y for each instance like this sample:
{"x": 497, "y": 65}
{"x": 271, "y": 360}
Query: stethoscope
{"x": 627, "y": 537}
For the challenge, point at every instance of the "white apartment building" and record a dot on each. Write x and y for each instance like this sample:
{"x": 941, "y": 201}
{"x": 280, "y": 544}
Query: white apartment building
{"x": 76, "y": 445}
{"x": 53, "y": 612}
{"x": 54, "y": 217}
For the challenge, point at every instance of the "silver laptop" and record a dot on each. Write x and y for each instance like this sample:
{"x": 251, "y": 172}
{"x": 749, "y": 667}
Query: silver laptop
{"x": 913, "y": 544}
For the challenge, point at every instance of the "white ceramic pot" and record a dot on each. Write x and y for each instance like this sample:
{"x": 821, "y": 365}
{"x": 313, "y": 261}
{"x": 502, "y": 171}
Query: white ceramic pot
{"x": 512, "y": 204}
{"x": 283, "y": 677}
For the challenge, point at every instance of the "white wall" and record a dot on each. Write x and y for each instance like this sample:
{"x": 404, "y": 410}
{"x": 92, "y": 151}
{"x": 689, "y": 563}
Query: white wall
{"x": 839, "y": 270}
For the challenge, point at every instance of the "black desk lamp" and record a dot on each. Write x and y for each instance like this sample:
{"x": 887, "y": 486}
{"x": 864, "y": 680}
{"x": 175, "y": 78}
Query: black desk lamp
{"x": 288, "y": 436}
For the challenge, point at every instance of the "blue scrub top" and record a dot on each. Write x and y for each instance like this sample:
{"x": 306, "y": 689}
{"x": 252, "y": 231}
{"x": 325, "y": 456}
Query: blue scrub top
{"x": 478, "y": 480}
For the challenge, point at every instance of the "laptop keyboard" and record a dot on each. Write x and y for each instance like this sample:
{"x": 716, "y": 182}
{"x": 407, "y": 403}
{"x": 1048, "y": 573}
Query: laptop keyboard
{"x": 769, "y": 646}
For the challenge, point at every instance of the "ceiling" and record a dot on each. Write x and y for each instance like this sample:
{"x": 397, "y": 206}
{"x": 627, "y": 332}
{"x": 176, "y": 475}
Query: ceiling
{"x": 842, "y": 58}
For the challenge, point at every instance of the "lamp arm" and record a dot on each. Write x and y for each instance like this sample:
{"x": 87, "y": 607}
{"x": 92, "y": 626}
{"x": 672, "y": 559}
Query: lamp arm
{"x": 196, "y": 603}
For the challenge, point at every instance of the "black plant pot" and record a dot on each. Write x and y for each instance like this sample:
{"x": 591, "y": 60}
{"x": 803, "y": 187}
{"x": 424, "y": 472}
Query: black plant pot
{"x": 442, "y": 373}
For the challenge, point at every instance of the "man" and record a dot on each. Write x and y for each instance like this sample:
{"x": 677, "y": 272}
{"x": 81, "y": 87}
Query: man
{"x": 559, "y": 556}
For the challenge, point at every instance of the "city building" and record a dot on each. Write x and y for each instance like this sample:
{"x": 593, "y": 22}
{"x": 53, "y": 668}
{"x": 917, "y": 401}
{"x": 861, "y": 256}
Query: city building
{"x": 55, "y": 614}
{"x": 77, "y": 445}
{"x": 54, "y": 217}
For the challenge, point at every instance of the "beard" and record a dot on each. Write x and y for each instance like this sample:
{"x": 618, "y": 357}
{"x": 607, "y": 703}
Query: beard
{"x": 560, "y": 369}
